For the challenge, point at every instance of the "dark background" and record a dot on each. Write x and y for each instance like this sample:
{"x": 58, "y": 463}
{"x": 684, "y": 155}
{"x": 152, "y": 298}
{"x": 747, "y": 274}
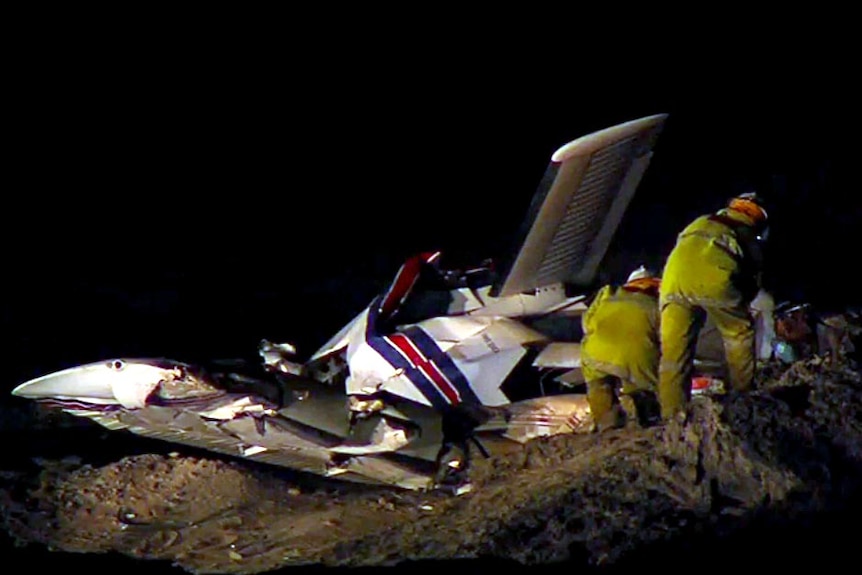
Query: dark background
{"x": 170, "y": 195}
{"x": 189, "y": 211}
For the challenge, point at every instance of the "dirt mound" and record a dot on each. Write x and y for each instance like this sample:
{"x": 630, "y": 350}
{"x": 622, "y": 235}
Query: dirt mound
{"x": 787, "y": 452}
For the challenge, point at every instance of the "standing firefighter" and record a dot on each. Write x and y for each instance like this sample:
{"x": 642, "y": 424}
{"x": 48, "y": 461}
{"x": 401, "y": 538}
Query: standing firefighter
{"x": 620, "y": 349}
{"x": 713, "y": 270}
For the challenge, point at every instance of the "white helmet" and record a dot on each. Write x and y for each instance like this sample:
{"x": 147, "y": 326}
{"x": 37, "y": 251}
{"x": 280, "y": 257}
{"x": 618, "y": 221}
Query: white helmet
{"x": 639, "y": 274}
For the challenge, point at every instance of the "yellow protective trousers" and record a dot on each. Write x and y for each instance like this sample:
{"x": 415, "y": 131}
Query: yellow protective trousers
{"x": 704, "y": 276}
{"x": 681, "y": 321}
{"x": 602, "y": 397}
{"x": 620, "y": 349}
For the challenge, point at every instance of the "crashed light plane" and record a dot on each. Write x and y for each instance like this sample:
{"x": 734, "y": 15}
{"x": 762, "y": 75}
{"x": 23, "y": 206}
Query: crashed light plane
{"x": 442, "y": 360}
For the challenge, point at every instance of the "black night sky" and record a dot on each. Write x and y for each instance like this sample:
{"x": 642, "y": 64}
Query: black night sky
{"x": 187, "y": 203}
{"x": 189, "y": 213}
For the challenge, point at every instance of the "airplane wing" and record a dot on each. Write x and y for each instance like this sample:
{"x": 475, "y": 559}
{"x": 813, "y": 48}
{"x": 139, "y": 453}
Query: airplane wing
{"x": 577, "y": 207}
{"x": 292, "y": 422}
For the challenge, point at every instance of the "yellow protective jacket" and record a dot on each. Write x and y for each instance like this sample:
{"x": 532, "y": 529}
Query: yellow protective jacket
{"x": 716, "y": 261}
{"x": 621, "y": 336}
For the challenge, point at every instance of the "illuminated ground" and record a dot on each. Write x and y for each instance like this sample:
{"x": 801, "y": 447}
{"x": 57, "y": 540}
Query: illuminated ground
{"x": 740, "y": 470}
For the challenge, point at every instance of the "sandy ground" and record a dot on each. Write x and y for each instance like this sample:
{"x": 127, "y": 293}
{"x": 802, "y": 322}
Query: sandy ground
{"x": 783, "y": 455}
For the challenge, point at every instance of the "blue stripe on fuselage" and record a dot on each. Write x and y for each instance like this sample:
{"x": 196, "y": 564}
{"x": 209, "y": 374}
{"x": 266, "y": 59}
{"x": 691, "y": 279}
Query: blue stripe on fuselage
{"x": 398, "y": 361}
{"x": 444, "y": 363}
{"x": 429, "y": 349}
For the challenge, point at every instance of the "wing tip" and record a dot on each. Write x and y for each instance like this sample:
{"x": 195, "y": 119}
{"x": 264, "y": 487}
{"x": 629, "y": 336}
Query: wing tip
{"x": 590, "y": 142}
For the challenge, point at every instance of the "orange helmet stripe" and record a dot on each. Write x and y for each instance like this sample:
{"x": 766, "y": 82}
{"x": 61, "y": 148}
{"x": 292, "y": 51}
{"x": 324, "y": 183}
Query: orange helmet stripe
{"x": 644, "y": 284}
{"x": 749, "y": 208}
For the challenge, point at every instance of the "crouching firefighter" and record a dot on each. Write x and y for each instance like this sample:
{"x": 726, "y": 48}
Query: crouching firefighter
{"x": 620, "y": 352}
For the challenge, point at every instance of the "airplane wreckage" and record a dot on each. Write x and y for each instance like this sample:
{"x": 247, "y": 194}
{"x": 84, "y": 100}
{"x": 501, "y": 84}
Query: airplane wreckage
{"x": 442, "y": 362}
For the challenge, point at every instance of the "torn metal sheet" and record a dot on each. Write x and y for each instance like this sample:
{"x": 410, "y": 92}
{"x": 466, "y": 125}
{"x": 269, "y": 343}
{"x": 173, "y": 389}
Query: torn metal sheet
{"x": 572, "y": 377}
{"x": 547, "y": 416}
{"x": 560, "y": 354}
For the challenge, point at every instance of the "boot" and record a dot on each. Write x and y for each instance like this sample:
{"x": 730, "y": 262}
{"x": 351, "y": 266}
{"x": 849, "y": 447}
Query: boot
{"x": 614, "y": 418}
{"x": 642, "y": 407}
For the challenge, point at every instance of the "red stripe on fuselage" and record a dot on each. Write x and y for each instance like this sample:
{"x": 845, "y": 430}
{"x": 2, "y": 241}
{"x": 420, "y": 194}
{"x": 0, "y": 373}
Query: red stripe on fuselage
{"x": 428, "y": 368}
{"x": 404, "y": 281}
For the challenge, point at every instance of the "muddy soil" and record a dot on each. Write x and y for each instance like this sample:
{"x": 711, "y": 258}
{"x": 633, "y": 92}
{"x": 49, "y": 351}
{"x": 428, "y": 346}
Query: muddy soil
{"x": 786, "y": 456}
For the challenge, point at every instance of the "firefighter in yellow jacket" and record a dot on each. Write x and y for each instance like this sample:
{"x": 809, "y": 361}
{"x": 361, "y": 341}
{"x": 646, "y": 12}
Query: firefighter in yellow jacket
{"x": 620, "y": 351}
{"x": 713, "y": 270}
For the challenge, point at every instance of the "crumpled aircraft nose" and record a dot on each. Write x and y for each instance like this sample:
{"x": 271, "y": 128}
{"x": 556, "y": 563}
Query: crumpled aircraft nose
{"x": 72, "y": 383}
{"x": 118, "y": 381}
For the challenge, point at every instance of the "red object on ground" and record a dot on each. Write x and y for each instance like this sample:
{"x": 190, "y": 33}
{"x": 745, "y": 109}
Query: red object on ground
{"x": 700, "y": 384}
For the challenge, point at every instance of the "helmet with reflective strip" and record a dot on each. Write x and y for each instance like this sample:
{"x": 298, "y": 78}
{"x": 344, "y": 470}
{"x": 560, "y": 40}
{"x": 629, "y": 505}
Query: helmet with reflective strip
{"x": 751, "y": 204}
{"x": 640, "y": 273}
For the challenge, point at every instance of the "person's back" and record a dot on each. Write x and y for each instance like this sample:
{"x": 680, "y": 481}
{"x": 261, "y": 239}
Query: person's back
{"x": 713, "y": 259}
{"x": 620, "y": 347}
{"x": 619, "y": 320}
